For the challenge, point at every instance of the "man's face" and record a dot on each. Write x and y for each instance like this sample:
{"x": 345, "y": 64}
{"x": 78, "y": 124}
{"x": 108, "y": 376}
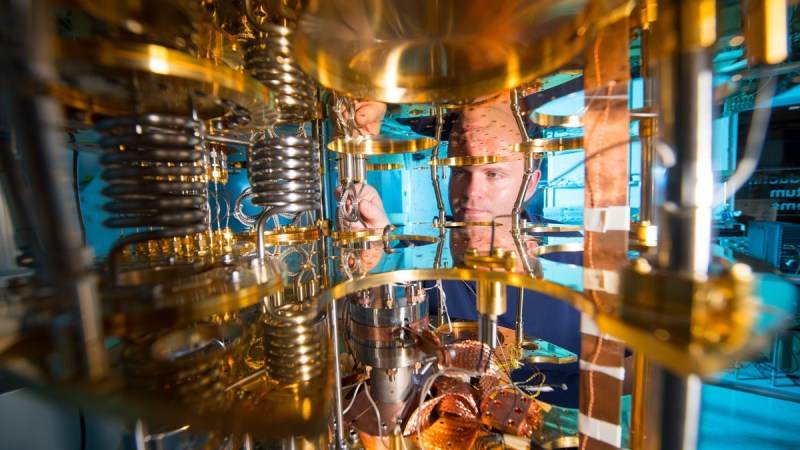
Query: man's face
{"x": 480, "y": 193}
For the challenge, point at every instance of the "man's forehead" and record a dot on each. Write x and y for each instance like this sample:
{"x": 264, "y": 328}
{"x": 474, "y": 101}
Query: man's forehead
{"x": 490, "y": 140}
{"x": 496, "y": 148}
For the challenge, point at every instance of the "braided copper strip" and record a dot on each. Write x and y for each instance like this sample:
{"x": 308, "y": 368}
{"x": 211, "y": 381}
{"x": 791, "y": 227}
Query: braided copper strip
{"x": 451, "y": 432}
{"x": 366, "y": 333}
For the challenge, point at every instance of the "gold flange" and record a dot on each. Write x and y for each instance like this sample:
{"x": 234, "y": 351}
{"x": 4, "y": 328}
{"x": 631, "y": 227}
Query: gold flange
{"x": 380, "y": 238}
{"x": 458, "y": 161}
{"x": 383, "y": 166}
{"x": 552, "y": 120}
{"x": 541, "y": 146}
{"x": 287, "y": 235}
{"x": 551, "y": 229}
{"x": 376, "y": 167}
{"x": 418, "y": 52}
{"x": 558, "y": 248}
{"x": 187, "y": 79}
{"x": 563, "y": 293}
{"x": 382, "y": 145}
{"x": 173, "y": 17}
{"x": 195, "y": 297}
{"x": 351, "y": 234}
{"x": 470, "y": 224}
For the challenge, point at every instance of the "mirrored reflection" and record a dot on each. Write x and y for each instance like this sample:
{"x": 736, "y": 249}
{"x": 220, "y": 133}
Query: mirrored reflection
{"x": 279, "y": 261}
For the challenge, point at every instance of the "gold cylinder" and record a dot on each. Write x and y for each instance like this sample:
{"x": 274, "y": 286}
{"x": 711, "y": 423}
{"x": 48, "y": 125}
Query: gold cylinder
{"x": 491, "y": 298}
{"x": 765, "y": 25}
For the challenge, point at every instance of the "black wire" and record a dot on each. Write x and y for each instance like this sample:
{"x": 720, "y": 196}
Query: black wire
{"x": 76, "y": 191}
{"x": 82, "y": 418}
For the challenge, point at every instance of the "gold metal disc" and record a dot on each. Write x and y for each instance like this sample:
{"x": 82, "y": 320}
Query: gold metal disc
{"x": 418, "y": 51}
{"x": 382, "y": 145}
{"x": 534, "y": 228}
{"x": 458, "y": 161}
{"x": 543, "y": 147}
{"x": 167, "y": 81}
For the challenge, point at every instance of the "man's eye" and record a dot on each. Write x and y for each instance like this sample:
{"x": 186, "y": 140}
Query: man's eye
{"x": 494, "y": 175}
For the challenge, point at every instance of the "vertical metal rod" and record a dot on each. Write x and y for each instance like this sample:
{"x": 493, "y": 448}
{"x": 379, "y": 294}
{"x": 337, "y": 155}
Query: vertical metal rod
{"x": 487, "y": 330}
{"x": 516, "y": 211}
{"x": 639, "y": 402}
{"x": 139, "y": 435}
{"x": 646, "y": 181}
{"x": 685, "y": 101}
{"x": 18, "y": 194}
{"x": 318, "y": 136}
{"x": 520, "y": 302}
{"x": 333, "y": 329}
{"x": 38, "y": 122}
{"x": 685, "y": 112}
{"x": 681, "y": 411}
{"x": 435, "y": 167}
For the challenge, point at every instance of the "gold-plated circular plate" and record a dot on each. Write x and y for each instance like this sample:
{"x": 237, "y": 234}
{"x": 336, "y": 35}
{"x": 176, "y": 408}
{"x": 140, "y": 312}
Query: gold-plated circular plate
{"x": 393, "y": 237}
{"x": 167, "y": 81}
{"x": 383, "y": 166}
{"x": 458, "y": 161}
{"x": 551, "y": 228}
{"x": 552, "y": 145}
{"x": 471, "y": 224}
{"x": 382, "y": 145}
{"x": 559, "y": 248}
{"x": 553, "y": 120}
{"x": 171, "y": 21}
{"x": 407, "y": 51}
{"x": 286, "y": 236}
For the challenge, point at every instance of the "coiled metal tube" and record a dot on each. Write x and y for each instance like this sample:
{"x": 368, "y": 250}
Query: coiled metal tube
{"x": 293, "y": 342}
{"x": 155, "y": 181}
{"x": 270, "y": 60}
{"x": 284, "y": 174}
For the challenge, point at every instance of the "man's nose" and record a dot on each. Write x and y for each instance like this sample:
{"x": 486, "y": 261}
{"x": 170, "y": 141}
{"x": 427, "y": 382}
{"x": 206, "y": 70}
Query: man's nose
{"x": 476, "y": 187}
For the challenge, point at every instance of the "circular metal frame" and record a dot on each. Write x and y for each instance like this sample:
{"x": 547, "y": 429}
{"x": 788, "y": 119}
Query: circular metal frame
{"x": 381, "y": 145}
{"x": 551, "y": 229}
{"x": 576, "y": 299}
{"x": 459, "y": 161}
{"x": 380, "y": 238}
{"x": 553, "y": 145}
{"x": 187, "y": 77}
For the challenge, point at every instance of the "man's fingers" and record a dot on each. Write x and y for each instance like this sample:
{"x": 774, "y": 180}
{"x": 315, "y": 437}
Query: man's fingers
{"x": 373, "y": 215}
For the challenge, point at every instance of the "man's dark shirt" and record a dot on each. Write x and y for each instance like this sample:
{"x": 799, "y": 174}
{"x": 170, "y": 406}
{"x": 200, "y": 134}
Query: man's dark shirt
{"x": 544, "y": 317}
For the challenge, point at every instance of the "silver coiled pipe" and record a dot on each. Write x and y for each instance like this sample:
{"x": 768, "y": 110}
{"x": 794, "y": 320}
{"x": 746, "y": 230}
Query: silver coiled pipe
{"x": 293, "y": 342}
{"x": 155, "y": 179}
{"x": 284, "y": 173}
{"x": 270, "y": 59}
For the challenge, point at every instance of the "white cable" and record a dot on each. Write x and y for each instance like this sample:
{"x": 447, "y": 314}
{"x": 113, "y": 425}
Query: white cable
{"x": 754, "y": 144}
{"x": 377, "y": 415}
{"x": 355, "y": 393}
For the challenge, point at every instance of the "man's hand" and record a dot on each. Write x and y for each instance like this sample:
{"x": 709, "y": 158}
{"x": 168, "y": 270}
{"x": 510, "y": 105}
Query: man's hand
{"x": 369, "y": 116}
{"x": 370, "y": 207}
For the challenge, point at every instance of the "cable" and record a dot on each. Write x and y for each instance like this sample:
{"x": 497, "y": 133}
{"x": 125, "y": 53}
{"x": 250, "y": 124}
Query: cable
{"x": 377, "y": 415}
{"x": 76, "y": 191}
{"x": 754, "y": 144}
{"x": 82, "y": 419}
{"x": 353, "y": 400}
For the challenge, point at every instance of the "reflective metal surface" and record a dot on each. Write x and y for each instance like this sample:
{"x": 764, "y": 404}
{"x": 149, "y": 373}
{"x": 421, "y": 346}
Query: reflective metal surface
{"x": 405, "y": 52}
{"x": 230, "y": 311}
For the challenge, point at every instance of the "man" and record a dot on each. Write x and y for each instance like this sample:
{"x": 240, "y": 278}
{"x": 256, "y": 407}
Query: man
{"x": 486, "y": 192}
